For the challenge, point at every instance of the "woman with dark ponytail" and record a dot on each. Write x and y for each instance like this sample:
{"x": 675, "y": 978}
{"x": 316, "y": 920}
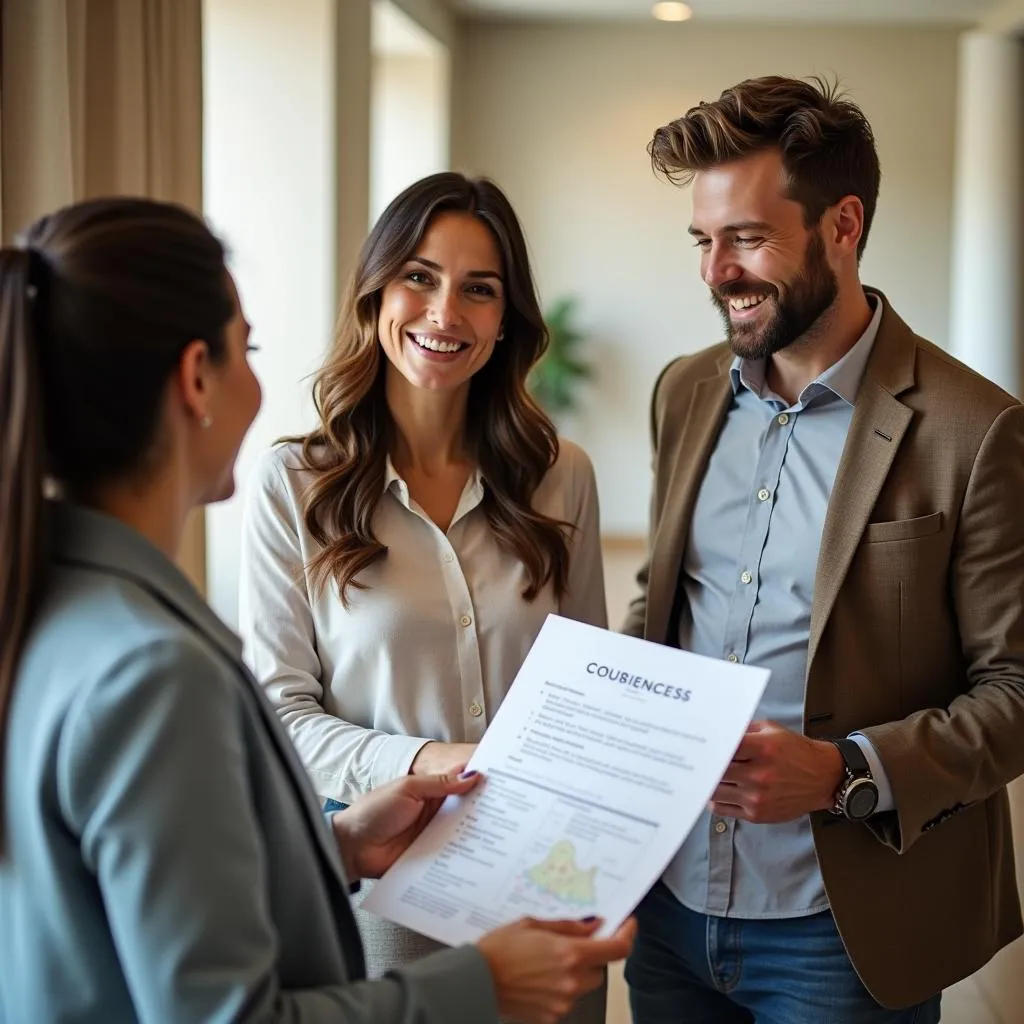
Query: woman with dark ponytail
{"x": 162, "y": 856}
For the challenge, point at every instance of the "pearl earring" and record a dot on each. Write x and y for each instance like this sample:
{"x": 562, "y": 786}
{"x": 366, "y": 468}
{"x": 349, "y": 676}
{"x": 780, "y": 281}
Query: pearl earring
{"x": 206, "y": 422}
{"x": 501, "y": 334}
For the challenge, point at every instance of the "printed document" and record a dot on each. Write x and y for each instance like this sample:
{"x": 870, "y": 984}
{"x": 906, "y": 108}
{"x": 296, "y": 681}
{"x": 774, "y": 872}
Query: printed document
{"x": 595, "y": 768}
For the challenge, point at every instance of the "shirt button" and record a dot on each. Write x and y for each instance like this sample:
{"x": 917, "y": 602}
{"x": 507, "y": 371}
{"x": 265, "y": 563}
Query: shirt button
{"x": 466, "y": 621}
{"x": 449, "y": 557}
{"x": 783, "y": 419}
{"x": 475, "y": 710}
{"x": 720, "y": 827}
{"x": 764, "y": 494}
{"x": 745, "y": 577}
{"x": 733, "y": 658}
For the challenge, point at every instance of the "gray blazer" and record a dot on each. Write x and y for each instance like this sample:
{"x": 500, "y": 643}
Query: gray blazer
{"x": 167, "y": 859}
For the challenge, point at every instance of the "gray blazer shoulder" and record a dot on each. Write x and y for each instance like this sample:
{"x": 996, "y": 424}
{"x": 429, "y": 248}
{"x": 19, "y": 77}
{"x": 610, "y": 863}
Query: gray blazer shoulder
{"x": 167, "y": 860}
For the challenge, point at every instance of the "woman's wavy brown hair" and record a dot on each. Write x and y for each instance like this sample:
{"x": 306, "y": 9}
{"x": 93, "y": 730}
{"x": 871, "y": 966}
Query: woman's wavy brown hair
{"x": 513, "y": 441}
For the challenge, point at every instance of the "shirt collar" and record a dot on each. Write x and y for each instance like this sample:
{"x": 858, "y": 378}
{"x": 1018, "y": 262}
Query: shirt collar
{"x": 471, "y": 496}
{"x": 842, "y": 378}
{"x": 391, "y": 475}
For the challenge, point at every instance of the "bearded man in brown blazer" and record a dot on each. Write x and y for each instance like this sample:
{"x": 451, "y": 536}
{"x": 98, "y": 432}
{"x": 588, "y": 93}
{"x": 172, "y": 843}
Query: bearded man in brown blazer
{"x": 836, "y": 499}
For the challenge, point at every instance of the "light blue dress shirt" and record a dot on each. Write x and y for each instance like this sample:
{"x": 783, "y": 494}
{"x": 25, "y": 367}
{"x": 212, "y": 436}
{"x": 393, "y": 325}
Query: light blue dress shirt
{"x": 748, "y": 575}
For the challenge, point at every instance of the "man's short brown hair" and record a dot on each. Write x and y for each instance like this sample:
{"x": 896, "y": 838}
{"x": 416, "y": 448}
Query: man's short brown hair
{"x": 826, "y": 143}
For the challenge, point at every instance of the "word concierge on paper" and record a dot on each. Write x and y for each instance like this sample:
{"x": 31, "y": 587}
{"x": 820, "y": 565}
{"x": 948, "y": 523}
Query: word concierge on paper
{"x": 618, "y": 675}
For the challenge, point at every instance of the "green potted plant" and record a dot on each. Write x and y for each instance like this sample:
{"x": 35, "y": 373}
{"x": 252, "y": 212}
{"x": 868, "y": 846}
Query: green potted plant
{"x": 556, "y": 379}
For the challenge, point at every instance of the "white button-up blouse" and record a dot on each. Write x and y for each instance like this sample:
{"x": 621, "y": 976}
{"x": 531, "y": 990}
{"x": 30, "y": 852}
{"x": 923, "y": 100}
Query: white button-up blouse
{"x": 429, "y": 651}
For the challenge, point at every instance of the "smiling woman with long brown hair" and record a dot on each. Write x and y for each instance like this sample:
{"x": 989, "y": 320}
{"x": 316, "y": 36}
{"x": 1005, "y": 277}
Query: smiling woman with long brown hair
{"x": 399, "y": 560}
{"x": 162, "y": 855}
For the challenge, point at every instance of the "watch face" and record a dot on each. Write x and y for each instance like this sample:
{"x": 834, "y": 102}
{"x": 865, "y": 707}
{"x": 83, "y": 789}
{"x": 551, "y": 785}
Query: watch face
{"x": 861, "y": 799}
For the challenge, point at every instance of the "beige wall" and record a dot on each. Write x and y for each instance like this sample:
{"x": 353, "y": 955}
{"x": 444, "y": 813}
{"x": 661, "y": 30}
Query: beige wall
{"x": 434, "y": 16}
{"x": 351, "y": 63}
{"x": 275, "y": 101}
{"x": 1007, "y": 16}
{"x": 409, "y": 122}
{"x": 560, "y": 116}
{"x": 99, "y": 100}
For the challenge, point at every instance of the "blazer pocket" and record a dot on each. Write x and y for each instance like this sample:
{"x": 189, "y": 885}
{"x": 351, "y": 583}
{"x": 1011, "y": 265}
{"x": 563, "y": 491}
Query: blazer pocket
{"x": 903, "y": 529}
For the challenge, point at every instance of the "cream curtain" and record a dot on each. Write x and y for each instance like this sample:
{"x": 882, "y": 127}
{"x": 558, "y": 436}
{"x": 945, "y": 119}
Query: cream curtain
{"x": 100, "y": 97}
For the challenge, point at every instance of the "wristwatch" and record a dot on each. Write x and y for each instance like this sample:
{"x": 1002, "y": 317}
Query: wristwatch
{"x": 857, "y": 796}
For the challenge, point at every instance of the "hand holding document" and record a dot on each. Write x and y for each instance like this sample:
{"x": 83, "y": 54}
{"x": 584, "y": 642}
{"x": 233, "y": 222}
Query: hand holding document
{"x": 596, "y": 767}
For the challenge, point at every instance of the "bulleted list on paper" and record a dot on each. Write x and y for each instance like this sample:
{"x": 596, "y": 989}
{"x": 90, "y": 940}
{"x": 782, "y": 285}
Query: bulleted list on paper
{"x": 595, "y": 769}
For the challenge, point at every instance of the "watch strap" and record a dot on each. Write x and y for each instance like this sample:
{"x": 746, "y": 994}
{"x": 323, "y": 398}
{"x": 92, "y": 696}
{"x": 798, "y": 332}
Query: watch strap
{"x": 853, "y": 757}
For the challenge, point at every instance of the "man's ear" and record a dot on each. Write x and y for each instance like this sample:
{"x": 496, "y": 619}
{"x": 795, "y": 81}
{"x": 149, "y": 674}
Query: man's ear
{"x": 847, "y": 225}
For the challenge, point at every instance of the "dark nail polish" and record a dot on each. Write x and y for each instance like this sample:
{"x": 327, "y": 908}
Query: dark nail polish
{"x": 590, "y": 919}
{"x": 468, "y": 775}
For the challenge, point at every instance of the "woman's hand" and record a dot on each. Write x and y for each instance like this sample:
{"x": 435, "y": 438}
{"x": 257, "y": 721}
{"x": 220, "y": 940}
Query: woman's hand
{"x": 540, "y": 968}
{"x": 378, "y": 827}
{"x": 436, "y": 758}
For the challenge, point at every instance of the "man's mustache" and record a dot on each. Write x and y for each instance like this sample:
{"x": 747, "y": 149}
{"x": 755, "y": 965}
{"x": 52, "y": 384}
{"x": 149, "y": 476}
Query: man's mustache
{"x": 735, "y": 288}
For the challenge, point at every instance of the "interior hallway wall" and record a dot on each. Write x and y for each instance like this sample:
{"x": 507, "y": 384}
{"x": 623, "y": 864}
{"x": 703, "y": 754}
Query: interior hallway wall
{"x": 279, "y": 90}
{"x": 409, "y": 123}
{"x": 560, "y": 116}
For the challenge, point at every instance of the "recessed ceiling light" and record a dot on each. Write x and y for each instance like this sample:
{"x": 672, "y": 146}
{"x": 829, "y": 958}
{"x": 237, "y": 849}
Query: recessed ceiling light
{"x": 671, "y": 11}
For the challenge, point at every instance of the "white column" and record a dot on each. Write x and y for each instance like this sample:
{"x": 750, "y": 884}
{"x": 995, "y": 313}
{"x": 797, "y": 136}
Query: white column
{"x": 410, "y": 105}
{"x": 988, "y": 217}
{"x": 270, "y": 171}
{"x": 988, "y": 313}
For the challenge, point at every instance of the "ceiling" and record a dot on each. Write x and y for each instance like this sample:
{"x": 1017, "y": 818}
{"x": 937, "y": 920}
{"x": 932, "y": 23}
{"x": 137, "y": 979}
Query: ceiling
{"x": 899, "y": 11}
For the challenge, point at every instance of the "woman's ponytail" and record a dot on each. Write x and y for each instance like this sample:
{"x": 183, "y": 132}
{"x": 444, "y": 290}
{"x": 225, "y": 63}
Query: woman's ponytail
{"x": 22, "y": 467}
{"x": 95, "y": 311}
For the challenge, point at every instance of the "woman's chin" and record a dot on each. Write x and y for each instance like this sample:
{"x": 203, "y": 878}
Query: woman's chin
{"x": 221, "y": 491}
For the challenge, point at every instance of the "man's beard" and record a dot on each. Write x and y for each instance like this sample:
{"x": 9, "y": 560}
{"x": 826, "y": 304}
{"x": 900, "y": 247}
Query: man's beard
{"x": 808, "y": 296}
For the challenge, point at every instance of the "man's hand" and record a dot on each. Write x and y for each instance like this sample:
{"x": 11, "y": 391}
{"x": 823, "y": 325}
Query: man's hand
{"x": 377, "y": 829}
{"x": 778, "y": 775}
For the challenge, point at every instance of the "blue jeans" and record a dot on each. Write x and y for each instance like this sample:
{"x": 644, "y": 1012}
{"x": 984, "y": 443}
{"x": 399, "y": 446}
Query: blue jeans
{"x": 333, "y": 805}
{"x": 687, "y": 968}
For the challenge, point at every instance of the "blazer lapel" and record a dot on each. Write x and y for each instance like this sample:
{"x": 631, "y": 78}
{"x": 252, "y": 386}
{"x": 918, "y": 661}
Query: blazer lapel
{"x": 879, "y": 422}
{"x": 693, "y": 444}
{"x": 323, "y": 836}
{"x": 86, "y": 537}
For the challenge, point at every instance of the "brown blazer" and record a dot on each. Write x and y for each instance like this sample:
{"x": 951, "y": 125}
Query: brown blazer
{"x": 917, "y": 639}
